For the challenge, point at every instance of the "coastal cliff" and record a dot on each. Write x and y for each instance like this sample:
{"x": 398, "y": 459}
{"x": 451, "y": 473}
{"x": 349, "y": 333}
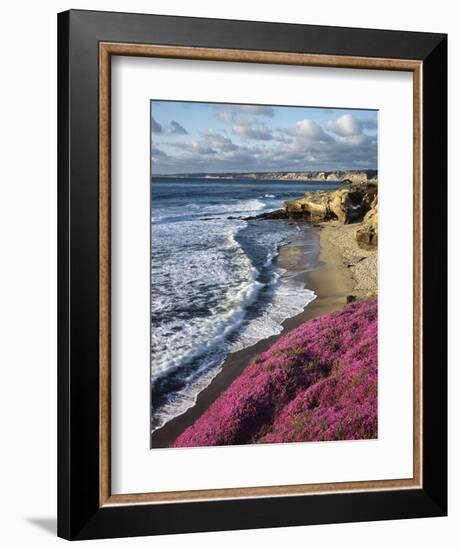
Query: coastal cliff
{"x": 343, "y": 176}
{"x": 351, "y": 204}
{"x": 318, "y": 382}
{"x": 355, "y": 204}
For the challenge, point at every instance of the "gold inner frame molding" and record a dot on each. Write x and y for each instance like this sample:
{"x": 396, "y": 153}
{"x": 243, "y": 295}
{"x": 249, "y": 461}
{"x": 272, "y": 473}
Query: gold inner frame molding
{"x": 106, "y": 51}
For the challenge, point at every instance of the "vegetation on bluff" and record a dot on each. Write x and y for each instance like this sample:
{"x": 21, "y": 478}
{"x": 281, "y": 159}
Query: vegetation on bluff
{"x": 317, "y": 383}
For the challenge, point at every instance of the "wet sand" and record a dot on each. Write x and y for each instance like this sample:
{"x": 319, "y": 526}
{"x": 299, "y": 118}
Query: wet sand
{"x": 332, "y": 283}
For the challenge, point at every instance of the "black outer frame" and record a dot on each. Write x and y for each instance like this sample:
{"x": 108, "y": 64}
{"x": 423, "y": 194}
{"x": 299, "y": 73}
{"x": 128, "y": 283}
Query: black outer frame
{"x": 79, "y": 514}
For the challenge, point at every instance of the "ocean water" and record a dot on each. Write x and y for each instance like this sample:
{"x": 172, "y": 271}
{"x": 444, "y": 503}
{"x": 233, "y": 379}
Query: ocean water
{"x": 215, "y": 284}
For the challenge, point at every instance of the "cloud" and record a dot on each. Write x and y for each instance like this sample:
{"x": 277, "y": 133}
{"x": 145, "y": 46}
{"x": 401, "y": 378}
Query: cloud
{"x": 177, "y": 128}
{"x": 355, "y": 139}
{"x": 250, "y": 143}
{"x": 201, "y": 148}
{"x": 309, "y": 130}
{"x": 214, "y": 139}
{"x": 230, "y": 113}
{"x": 244, "y": 121}
{"x": 174, "y": 128}
{"x": 158, "y": 153}
{"x": 345, "y": 125}
{"x": 156, "y": 126}
{"x": 253, "y": 131}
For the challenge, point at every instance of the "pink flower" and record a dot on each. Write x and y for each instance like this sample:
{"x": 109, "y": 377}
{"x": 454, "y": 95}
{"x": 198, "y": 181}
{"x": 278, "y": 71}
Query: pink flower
{"x": 317, "y": 383}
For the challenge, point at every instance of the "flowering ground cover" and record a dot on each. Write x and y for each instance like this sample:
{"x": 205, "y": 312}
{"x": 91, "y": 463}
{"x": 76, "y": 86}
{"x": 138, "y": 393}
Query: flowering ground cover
{"x": 317, "y": 383}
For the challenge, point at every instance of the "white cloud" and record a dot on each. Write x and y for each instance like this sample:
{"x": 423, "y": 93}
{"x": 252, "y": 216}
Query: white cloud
{"x": 310, "y": 130}
{"x": 158, "y": 153}
{"x": 304, "y": 146}
{"x": 253, "y": 131}
{"x": 345, "y": 125}
{"x": 201, "y": 148}
{"x": 355, "y": 139}
{"x": 245, "y": 120}
{"x": 214, "y": 139}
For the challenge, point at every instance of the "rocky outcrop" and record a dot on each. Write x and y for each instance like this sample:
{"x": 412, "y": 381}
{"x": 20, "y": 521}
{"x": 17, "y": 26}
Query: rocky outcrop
{"x": 312, "y": 207}
{"x": 348, "y": 204}
{"x": 274, "y": 215}
{"x": 366, "y": 234}
{"x": 353, "y": 203}
{"x": 356, "y": 178}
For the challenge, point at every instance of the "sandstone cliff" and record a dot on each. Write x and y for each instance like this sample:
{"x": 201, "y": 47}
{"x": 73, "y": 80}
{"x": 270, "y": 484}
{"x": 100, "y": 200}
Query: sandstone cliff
{"x": 348, "y": 204}
{"x": 344, "y": 176}
{"x": 354, "y": 203}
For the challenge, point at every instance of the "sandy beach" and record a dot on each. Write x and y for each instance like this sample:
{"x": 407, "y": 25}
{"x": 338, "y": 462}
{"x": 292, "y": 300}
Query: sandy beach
{"x": 361, "y": 265}
{"x": 346, "y": 273}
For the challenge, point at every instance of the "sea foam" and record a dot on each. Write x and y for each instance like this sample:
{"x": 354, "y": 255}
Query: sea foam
{"x": 215, "y": 290}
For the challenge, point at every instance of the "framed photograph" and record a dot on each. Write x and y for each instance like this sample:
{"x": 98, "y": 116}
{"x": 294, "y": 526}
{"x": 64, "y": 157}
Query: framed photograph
{"x": 252, "y": 274}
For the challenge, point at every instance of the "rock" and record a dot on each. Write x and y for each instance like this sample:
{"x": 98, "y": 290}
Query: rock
{"x": 348, "y": 204}
{"x": 353, "y": 203}
{"x": 367, "y": 234}
{"x": 274, "y": 215}
{"x": 367, "y": 237}
{"x": 354, "y": 260}
{"x": 312, "y": 207}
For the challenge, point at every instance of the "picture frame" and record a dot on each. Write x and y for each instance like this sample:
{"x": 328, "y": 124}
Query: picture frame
{"x": 87, "y": 40}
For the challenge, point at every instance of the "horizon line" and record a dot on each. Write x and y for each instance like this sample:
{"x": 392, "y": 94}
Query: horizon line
{"x": 270, "y": 172}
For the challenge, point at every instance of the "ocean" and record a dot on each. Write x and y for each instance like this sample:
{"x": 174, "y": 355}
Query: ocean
{"x": 215, "y": 285}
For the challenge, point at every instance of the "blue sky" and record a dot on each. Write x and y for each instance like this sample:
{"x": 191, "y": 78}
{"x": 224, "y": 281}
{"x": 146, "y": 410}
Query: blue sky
{"x": 216, "y": 137}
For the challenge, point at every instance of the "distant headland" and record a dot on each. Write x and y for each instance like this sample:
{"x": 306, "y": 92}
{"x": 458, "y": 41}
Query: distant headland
{"x": 353, "y": 176}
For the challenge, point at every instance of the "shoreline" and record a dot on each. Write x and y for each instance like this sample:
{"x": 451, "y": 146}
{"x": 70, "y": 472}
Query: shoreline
{"x": 333, "y": 282}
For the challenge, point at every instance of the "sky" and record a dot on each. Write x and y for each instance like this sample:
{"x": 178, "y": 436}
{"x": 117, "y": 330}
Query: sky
{"x": 189, "y": 137}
